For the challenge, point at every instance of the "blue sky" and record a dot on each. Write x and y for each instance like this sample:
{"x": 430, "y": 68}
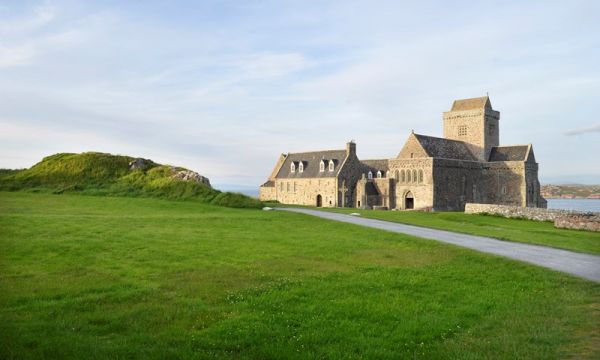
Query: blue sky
{"x": 224, "y": 87}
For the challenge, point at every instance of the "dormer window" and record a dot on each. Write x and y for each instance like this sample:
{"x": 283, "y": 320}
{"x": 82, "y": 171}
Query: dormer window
{"x": 293, "y": 167}
{"x": 322, "y": 166}
{"x": 370, "y": 175}
{"x": 379, "y": 174}
{"x": 331, "y": 165}
{"x": 301, "y": 167}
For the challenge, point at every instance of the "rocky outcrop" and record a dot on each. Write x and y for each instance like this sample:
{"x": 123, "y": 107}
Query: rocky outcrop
{"x": 141, "y": 164}
{"x": 188, "y": 175}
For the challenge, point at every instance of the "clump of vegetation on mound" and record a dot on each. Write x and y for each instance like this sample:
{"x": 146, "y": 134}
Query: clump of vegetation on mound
{"x": 94, "y": 173}
{"x": 7, "y": 172}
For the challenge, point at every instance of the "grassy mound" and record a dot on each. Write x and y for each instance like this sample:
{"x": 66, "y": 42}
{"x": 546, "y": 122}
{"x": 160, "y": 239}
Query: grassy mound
{"x": 96, "y": 173}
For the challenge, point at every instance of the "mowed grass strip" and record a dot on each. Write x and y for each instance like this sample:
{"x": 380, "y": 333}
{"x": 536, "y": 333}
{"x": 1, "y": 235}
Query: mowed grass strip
{"x": 99, "y": 277}
{"x": 520, "y": 230}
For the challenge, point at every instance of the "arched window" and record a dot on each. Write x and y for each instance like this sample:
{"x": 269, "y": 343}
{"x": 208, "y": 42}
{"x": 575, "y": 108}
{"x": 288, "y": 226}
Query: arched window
{"x": 420, "y": 176}
{"x": 301, "y": 167}
{"x": 397, "y": 175}
{"x": 331, "y": 165}
{"x": 322, "y": 166}
{"x": 293, "y": 167}
{"x": 402, "y": 176}
{"x": 407, "y": 175}
{"x": 294, "y": 186}
{"x": 414, "y": 175}
{"x": 370, "y": 175}
{"x": 288, "y": 187}
{"x": 379, "y": 174}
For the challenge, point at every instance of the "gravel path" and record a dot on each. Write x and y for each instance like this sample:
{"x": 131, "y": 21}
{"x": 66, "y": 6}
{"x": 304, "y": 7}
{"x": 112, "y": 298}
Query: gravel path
{"x": 578, "y": 264}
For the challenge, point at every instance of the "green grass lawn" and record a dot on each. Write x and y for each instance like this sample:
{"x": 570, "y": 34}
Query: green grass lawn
{"x": 101, "y": 277}
{"x": 526, "y": 231}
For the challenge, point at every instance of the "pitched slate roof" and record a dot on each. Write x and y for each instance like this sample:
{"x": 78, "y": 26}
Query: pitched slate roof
{"x": 311, "y": 162}
{"x": 445, "y": 148}
{"x": 268, "y": 183}
{"x": 471, "y": 104}
{"x": 509, "y": 153}
{"x": 371, "y": 189}
{"x": 376, "y": 165}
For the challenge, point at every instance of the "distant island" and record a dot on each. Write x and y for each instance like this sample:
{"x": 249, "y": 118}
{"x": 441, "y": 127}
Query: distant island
{"x": 573, "y": 191}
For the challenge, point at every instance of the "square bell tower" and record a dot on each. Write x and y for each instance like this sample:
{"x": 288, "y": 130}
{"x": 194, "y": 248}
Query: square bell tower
{"x": 474, "y": 122}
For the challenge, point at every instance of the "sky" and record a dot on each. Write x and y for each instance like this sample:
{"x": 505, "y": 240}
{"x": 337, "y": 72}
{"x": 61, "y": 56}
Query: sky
{"x": 224, "y": 87}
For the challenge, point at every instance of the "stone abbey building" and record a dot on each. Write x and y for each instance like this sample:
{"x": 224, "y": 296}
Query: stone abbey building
{"x": 467, "y": 165}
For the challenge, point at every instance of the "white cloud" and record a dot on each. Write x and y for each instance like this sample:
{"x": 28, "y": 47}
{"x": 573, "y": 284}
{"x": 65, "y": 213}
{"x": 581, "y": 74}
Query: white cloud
{"x": 591, "y": 129}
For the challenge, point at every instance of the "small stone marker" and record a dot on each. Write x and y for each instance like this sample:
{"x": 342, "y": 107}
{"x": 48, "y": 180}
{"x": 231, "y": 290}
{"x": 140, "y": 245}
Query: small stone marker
{"x": 354, "y": 214}
{"x": 266, "y": 208}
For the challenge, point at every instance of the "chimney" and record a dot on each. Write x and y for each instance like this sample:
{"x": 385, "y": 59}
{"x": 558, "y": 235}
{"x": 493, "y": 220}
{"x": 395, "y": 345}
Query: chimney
{"x": 351, "y": 148}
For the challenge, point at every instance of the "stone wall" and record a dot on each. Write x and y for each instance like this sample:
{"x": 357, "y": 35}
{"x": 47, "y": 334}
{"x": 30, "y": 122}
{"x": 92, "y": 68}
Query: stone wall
{"x": 530, "y": 213}
{"x": 590, "y": 221}
{"x": 306, "y": 191}
{"x": 267, "y": 193}
{"x": 563, "y": 219}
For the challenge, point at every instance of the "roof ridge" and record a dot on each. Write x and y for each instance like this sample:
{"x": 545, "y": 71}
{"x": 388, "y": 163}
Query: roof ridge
{"x": 316, "y": 151}
{"x": 499, "y": 146}
{"x": 441, "y": 138}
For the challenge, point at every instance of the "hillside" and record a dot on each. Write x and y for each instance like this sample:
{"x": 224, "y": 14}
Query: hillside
{"x": 95, "y": 173}
{"x": 574, "y": 191}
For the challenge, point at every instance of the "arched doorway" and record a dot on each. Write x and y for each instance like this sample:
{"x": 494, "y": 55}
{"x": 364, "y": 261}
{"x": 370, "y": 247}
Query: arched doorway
{"x": 409, "y": 201}
{"x": 319, "y": 201}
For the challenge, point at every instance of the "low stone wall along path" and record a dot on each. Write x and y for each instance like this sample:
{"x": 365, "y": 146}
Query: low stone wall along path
{"x": 581, "y": 265}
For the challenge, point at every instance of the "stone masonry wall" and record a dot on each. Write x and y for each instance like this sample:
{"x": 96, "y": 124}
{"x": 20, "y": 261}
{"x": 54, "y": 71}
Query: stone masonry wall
{"x": 562, "y": 218}
{"x": 538, "y": 214}
{"x": 305, "y": 191}
{"x": 590, "y": 222}
{"x": 267, "y": 193}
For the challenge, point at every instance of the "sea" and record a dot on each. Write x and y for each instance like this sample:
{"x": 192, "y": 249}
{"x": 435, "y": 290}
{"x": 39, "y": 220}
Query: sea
{"x": 584, "y": 205}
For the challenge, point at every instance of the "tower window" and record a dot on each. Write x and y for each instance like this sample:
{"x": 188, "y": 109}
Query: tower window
{"x": 331, "y": 165}
{"x": 462, "y": 130}
{"x": 293, "y": 167}
{"x": 301, "y": 167}
{"x": 491, "y": 129}
{"x": 322, "y": 166}
{"x": 370, "y": 175}
{"x": 379, "y": 174}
